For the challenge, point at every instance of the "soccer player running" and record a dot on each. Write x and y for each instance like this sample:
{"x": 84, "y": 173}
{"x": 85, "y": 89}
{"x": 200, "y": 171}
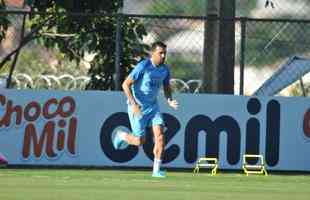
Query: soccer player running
{"x": 142, "y": 87}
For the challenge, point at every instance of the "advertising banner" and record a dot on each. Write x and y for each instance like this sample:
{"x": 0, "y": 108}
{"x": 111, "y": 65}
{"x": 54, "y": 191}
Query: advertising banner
{"x": 75, "y": 128}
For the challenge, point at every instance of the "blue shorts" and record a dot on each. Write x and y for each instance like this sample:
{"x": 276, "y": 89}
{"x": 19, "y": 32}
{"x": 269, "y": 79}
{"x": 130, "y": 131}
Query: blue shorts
{"x": 151, "y": 116}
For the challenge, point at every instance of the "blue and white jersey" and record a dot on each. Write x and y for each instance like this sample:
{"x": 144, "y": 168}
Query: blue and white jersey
{"x": 148, "y": 80}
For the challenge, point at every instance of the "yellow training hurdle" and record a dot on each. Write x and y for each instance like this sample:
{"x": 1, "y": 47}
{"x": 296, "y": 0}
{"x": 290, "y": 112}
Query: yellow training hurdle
{"x": 254, "y": 169}
{"x": 209, "y": 163}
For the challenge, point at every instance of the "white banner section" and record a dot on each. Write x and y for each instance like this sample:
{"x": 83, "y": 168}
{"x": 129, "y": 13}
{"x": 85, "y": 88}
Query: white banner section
{"x": 76, "y": 129}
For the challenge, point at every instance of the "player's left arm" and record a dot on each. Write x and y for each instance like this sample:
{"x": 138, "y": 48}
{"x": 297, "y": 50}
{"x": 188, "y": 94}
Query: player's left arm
{"x": 168, "y": 92}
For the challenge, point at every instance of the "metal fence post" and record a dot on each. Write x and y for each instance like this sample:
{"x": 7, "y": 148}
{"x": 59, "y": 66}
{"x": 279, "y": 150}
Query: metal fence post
{"x": 118, "y": 48}
{"x": 242, "y": 56}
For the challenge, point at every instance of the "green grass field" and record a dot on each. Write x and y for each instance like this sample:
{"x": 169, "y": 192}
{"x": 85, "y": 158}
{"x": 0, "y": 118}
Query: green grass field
{"x": 65, "y": 184}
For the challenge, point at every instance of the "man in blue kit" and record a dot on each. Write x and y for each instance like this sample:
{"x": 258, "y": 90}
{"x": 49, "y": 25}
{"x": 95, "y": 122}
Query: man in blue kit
{"x": 142, "y": 87}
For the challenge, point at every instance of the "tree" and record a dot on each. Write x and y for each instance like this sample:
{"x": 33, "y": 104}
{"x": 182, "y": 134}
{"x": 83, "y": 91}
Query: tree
{"x": 4, "y": 22}
{"x": 77, "y": 27}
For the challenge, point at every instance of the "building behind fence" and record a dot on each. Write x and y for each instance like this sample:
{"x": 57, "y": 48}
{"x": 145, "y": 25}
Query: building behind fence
{"x": 265, "y": 39}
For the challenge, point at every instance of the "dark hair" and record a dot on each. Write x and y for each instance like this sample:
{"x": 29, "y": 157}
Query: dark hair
{"x": 158, "y": 44}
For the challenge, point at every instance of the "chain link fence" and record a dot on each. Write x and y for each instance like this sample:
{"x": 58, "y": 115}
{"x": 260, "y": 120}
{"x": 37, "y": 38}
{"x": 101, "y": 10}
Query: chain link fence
{"x": 267, "y": 45}
{"x": 273, "y": 9}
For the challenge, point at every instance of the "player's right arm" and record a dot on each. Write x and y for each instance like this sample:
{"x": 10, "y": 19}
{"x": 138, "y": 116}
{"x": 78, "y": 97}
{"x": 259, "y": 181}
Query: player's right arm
{"x": 131, "y": 100}
{"x": 134, "y": 76}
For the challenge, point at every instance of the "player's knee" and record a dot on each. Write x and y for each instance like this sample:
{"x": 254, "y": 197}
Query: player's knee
{"x": 160, "y": 140}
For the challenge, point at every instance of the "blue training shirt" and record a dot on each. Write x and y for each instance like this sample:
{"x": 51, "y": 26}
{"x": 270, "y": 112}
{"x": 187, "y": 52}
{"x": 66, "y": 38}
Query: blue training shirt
{"x": 148, "y": 80}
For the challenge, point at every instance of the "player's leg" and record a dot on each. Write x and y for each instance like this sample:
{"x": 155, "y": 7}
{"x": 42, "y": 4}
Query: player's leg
{"x": 132, "y": 139}
{"x": 159, "y": 144}
{"x": 158, "y": 148}
{"x": 123, "y": 138}
{"x": 137, "y": 137}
